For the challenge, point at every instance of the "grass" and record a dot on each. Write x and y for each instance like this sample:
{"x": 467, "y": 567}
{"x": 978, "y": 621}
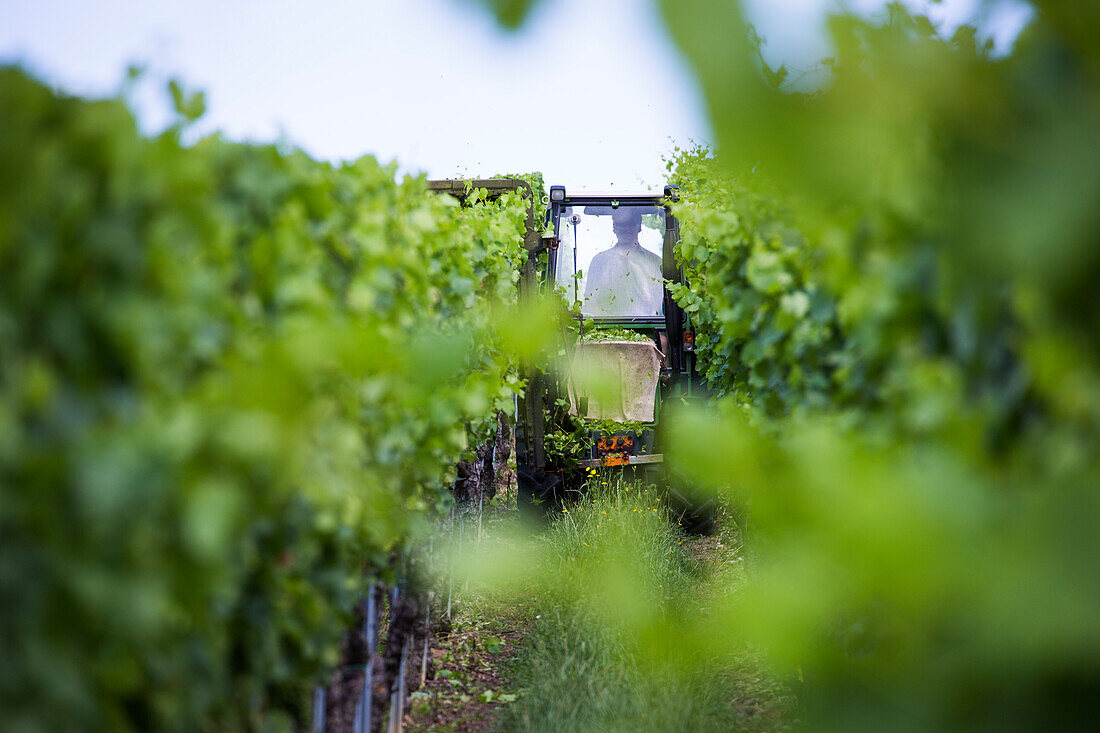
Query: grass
{"x": 586, "y": 681}
{"x": 609, "y": 591}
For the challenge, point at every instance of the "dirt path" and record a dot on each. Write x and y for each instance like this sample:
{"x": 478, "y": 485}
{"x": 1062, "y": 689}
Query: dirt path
{"x": 467, "y": 685}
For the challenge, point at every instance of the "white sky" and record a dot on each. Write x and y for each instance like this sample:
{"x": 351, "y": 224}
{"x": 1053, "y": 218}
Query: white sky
{"x": 591, "y": 93}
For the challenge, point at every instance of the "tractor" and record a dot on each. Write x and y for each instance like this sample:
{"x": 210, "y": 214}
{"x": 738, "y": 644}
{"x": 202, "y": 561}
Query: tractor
{"x": 628, "y": 346}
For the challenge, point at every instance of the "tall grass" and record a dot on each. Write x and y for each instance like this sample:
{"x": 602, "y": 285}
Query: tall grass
{"x": 605, "y": 586}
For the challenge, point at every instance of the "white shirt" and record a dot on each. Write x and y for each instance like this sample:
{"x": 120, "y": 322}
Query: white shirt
{"x": 624, "y": 281}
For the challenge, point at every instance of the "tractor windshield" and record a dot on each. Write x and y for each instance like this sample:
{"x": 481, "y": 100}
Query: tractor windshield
{"x": 610, "y": 259}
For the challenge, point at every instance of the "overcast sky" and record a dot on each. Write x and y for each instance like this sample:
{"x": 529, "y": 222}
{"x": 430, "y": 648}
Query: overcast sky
{"x": 591, "y": 93}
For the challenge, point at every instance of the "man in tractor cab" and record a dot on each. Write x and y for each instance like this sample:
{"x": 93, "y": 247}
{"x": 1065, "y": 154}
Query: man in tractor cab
{"x": 625, "y": 280}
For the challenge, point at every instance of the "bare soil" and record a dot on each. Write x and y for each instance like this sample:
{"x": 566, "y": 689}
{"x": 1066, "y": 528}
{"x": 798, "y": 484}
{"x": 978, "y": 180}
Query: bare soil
{"x": 467, "y": 685}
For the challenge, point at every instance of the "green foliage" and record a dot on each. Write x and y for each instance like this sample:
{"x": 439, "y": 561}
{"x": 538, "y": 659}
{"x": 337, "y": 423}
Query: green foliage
{"x": 567, "y": 443}
{"x": 536, "y": 182}
{"x": 765, "y": 329}
{"x": 233, "y": 381}
{"x": 903, "y": 300}
{"x": 615, "y": 334}
{"x": 885, "y": 284}
{"x": 608, "y": 426}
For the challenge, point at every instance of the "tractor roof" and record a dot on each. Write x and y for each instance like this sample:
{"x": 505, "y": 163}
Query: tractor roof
{"x": 654, "y": 193}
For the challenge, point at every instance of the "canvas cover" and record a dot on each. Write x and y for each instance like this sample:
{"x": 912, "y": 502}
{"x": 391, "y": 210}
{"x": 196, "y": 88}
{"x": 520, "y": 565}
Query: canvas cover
{"x": 618, "y": 377}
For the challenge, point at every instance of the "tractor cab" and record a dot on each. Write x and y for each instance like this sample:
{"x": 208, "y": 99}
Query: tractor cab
{"x": 609, "y": 260}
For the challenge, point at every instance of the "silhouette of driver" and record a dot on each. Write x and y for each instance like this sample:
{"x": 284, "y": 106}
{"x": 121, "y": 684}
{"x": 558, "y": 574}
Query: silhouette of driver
{"x": 625, "y": 280}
